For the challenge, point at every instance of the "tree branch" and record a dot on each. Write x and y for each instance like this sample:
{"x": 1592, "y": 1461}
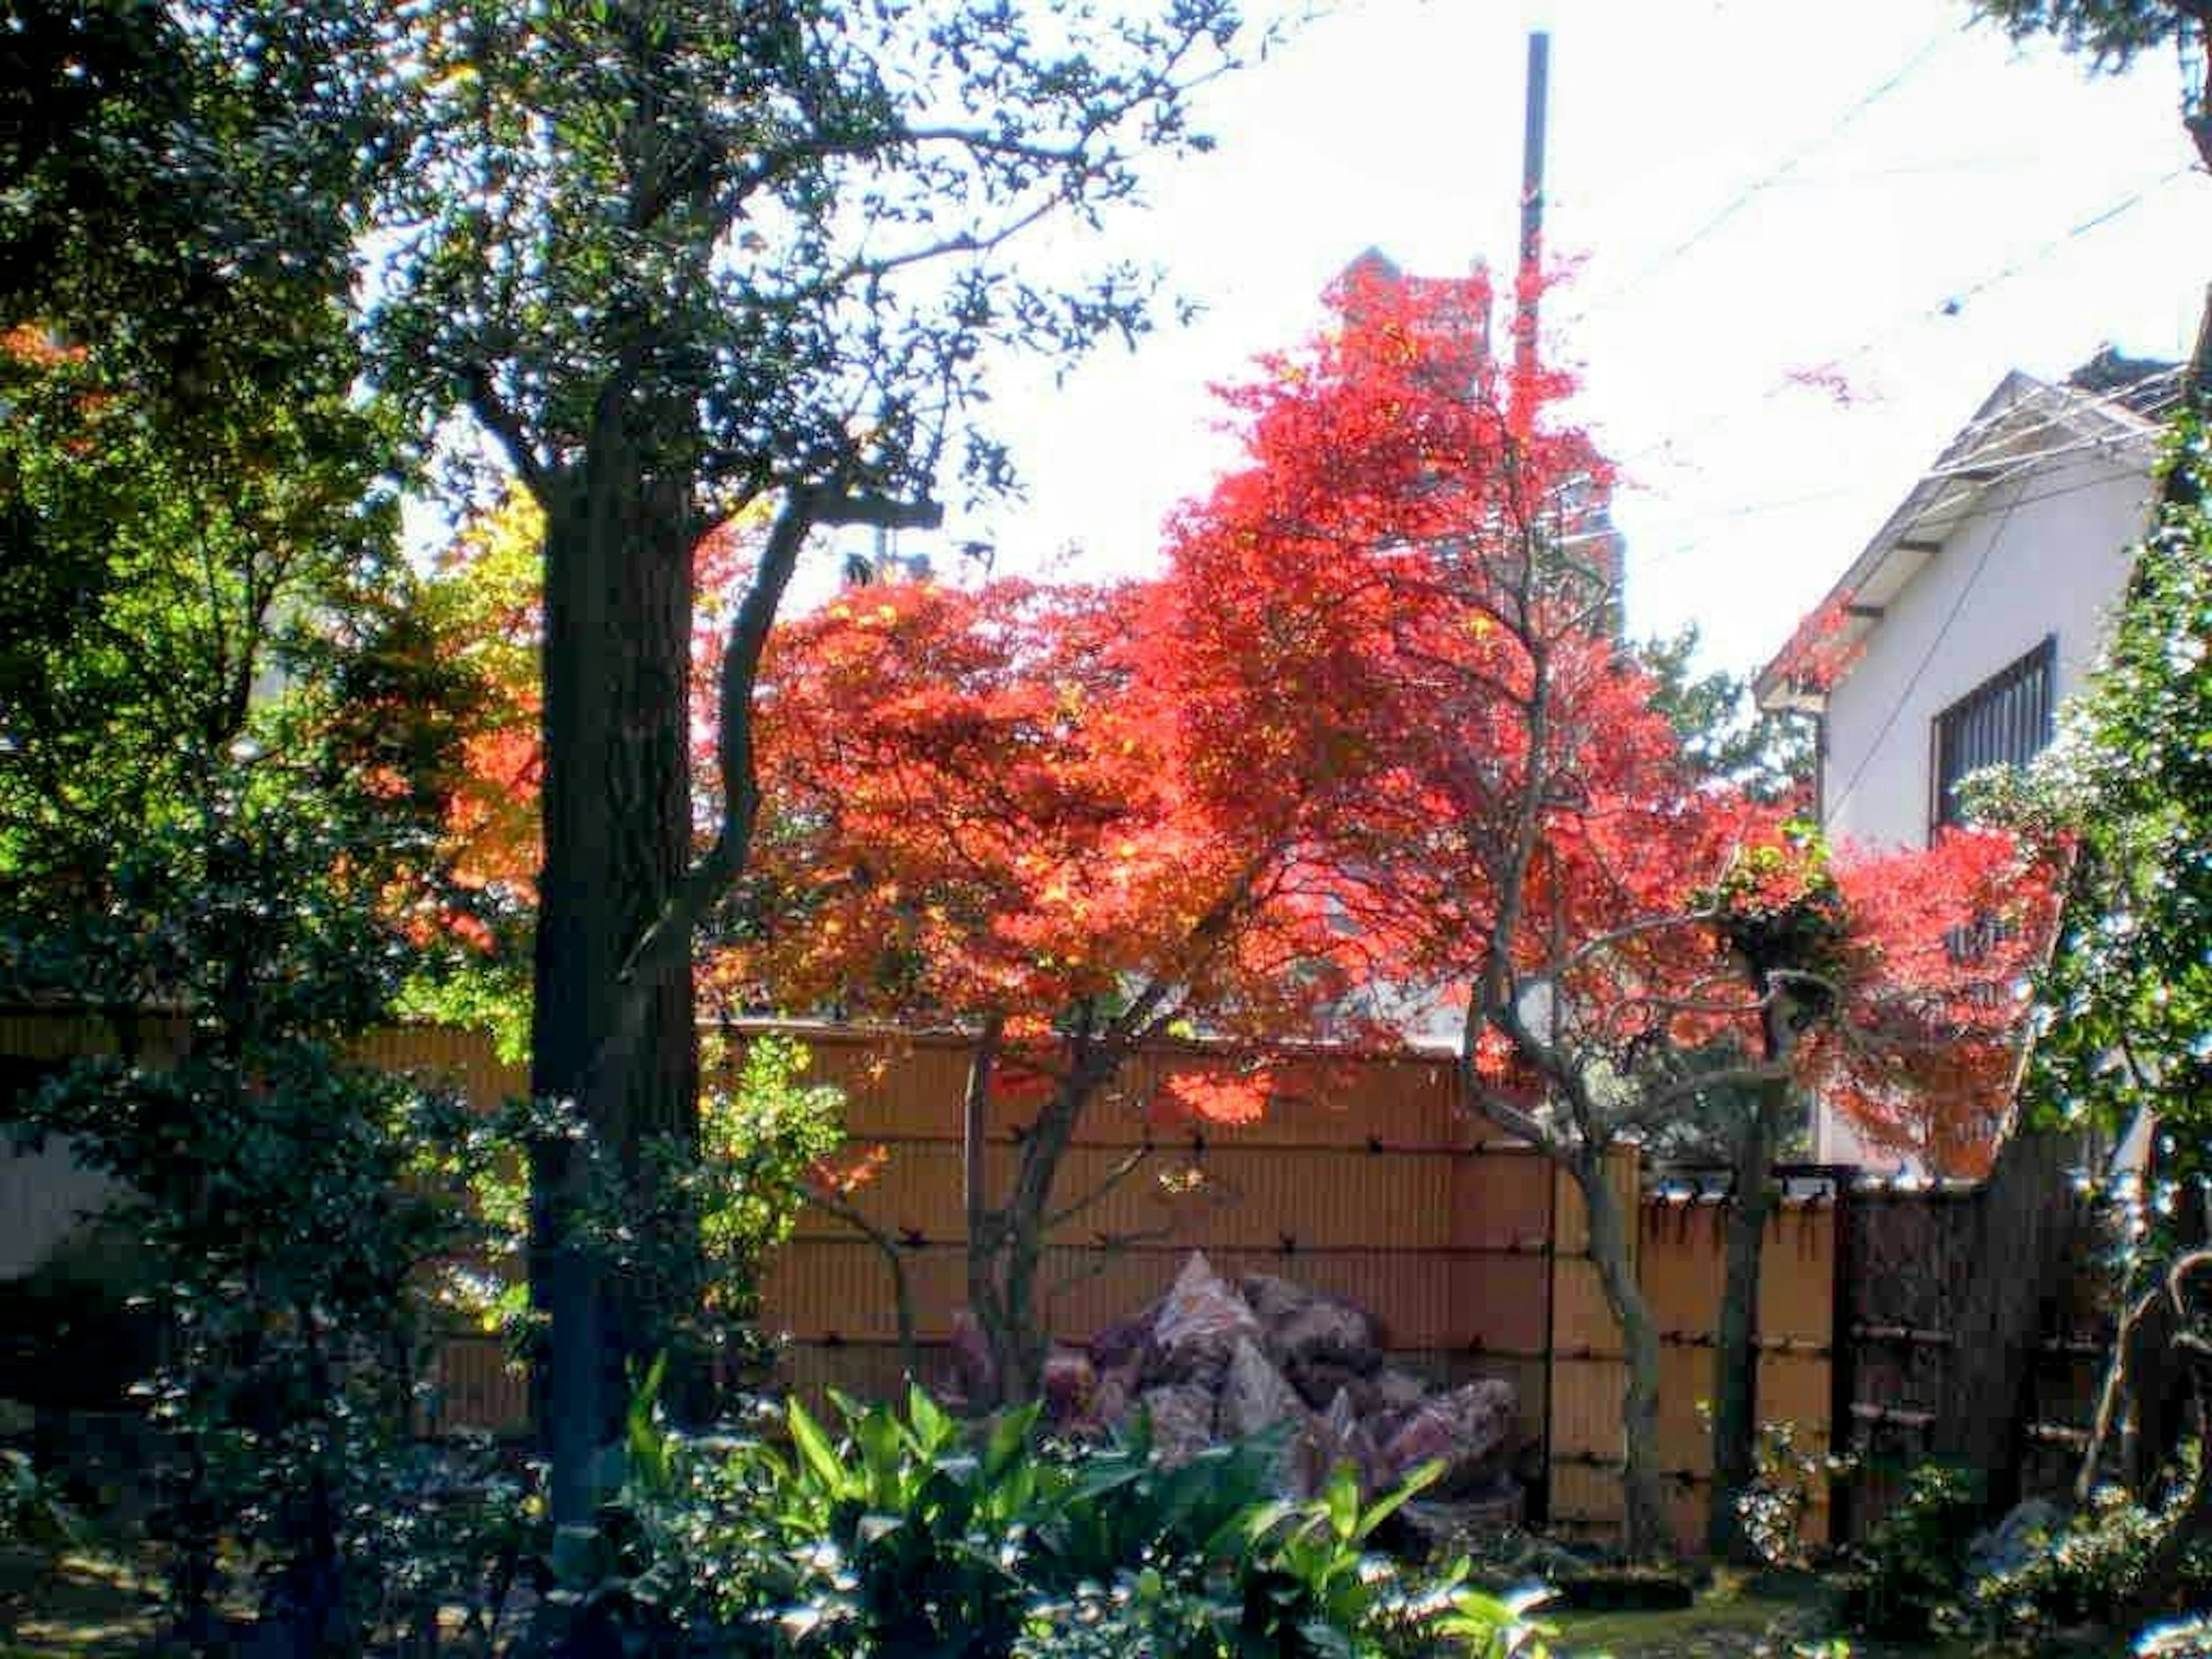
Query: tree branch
{"x": 901, "y": 1291}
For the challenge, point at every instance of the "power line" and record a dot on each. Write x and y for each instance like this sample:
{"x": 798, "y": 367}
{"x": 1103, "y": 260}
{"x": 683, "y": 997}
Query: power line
{"x": 1950, "y": 306}
{"x": 1674, "y": 550}
{"x": 1777, "y": 174}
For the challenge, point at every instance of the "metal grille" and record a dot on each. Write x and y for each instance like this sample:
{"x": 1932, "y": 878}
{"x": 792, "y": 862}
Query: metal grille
{"x": 2003, "y": 721}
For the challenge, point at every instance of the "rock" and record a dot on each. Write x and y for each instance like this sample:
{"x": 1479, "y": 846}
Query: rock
{"x": 1320, "y": 1381}
{"x": 1124, "y": 1344}
{"x": 1336, "y": 1436}
{"x": 1398, "y": 1391}
{"x": 2015, "y": 1541}
{"x": 1183, "y": 1421}
{"x": 1199, "y": 1323}
{"x": 1327, "y": 1330}
{"x": 975, "y": 1374}
{"x": 1272, "y": 1299}
{"x": 1115, "y": 1397}
{"x": 1436, "y": 1528}
{"x": 1254, "y": 1394}
{"x": 1071, "y": 1386}
{"x": 1468, "y": 1431}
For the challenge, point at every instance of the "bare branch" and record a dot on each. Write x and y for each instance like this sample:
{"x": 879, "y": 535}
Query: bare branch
{"x": 832, "y": 1204}
{"x": 1113, "y": 1177}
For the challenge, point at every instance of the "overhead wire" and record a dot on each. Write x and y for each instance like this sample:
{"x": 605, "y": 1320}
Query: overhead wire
{"x": 1648, "y": 559}
{"x": 1949, "y": 306}
{"x": 1774, "y": 176}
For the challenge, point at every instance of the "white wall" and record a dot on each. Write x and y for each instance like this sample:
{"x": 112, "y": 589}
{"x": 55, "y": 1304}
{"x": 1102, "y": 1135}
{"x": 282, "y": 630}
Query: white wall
{"x": 2041, "y": 555}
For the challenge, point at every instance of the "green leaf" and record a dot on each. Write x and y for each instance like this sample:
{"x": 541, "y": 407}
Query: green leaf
{"x": 877, "y": 1434}
{"x": 1342, "y": 1496}
{"x": 814, "y": 1450}
{"x": 1416, "y": 1482}
{"x": 1009, "y": 1439}
{"x": 933, "y": 1428}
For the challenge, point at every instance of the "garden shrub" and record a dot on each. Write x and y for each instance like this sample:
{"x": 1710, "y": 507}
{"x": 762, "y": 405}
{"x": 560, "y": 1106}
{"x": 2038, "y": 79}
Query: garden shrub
{"x": 1916, "y": 1562}
{"x": 915, "y": 1534}
{"x": 2090, "y": 1573}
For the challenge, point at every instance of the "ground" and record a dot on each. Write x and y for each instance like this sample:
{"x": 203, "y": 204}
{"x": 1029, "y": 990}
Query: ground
{"x": 82, "y": 1603}
{"x": 1761, "y": 1617}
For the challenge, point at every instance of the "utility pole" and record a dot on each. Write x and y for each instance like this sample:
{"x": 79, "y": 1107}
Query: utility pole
{"x": 1527, "y": 272}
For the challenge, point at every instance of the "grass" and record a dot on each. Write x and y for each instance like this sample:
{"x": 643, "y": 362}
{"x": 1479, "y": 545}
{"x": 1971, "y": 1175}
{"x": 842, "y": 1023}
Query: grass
{"x": 1737, "y": 1615}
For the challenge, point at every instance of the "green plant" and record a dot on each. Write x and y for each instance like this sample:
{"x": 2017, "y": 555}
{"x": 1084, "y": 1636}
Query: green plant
{"x": 1916, "y": 1562}
{"x": 695, "y": 1224}
{"x": 2091, "y": 1572}
{"x": 1784, "y": 1477}
{"x": 912, "y": 1533}
{"x": 31, "y": 1508}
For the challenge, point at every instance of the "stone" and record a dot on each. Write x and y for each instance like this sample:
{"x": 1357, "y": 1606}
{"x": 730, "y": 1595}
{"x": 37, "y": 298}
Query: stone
{"x": 1254, "y": 1395}
{"x": 1201, "y": 1320}
{"x": 1183, "y": 1421}
{"x": 1115, "y": 1397}
{"x": 1398, "y": 1391}
{"x": 1327, "y": 1330}
{"x": 1319, "y": 1380}
{"x": 1336, "y": 1436}
{"x": 1071, "y": 1386}
{"x": 975, "y": 1374}
{"x": 1469, "y": 1431}
{"x": 1443, "y": 1528}
{"x": 1272, "y": 1299}
{"x": 1125, "y": 1343}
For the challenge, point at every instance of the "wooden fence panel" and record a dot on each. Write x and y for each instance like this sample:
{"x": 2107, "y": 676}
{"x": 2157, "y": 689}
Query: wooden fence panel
{"x": 1909, "y": 1254}
{"x": 1365, "y": 1179}
{"x": 1588, "y": 1375}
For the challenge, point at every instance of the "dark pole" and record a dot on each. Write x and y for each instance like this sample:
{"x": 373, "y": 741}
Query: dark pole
{"x": 1532, "y": 205}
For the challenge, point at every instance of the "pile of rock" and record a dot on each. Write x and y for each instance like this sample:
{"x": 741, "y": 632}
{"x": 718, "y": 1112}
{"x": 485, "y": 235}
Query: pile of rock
{"x": 1213, "y": 1361}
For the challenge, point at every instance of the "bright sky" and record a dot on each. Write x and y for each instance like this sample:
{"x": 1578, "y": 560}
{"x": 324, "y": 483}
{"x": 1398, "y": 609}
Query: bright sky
{"x": 1751, "y": 187}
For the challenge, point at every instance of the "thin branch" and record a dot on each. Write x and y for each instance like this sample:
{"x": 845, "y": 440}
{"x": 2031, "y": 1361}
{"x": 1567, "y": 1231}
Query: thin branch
{"x": 831, "y": 1203}
{"x": 497, "y": 417}
{"x": 1113, "y": 1178}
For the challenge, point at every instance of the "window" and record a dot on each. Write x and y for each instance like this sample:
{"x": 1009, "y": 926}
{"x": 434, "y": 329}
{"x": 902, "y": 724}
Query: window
{"x": 2003, "y": 721}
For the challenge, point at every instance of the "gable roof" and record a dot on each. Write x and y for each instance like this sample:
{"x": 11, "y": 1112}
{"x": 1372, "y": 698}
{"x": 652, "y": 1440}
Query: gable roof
{"x": 2111, "y": 405}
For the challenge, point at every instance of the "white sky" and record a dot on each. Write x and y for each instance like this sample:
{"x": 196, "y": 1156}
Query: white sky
{"x": 1920, "y": 161}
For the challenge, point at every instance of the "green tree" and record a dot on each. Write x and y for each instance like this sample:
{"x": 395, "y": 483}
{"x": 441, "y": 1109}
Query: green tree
{"x": 2128, "y": 996}
{"x": 1725, "y": 733}
{"x": 675, "y": 257}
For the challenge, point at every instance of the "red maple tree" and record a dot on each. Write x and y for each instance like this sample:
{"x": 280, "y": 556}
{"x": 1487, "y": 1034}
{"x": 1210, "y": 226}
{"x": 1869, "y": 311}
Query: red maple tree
{"x": 983, "y": 812}
{"x": 1413, "y": 584}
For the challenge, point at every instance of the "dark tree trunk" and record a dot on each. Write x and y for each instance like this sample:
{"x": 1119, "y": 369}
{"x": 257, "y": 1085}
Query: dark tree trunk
{"x": 1006, "y": 1241}
{"x": 1647, "y": 1536}
{"x": 1736, "y": 1355}
{"x": 986, "y": 1302}
{"x": 618, "y": 829}
{"x": 2022, "y": 1239}
{"x": 1028, "y": 1217}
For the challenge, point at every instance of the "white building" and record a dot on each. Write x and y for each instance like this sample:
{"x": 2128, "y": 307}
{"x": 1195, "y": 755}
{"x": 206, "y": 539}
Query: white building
{"x": 1984, "y": 601}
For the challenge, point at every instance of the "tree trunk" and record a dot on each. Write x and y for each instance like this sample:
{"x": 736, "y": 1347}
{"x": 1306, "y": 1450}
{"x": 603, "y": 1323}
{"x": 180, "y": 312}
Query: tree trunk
{"x": 986, "y": 1303}
{"x": 1735, "y": 1359}
{"x": 1006, "y": 1245}
{"x": 617, "y": 827}
{"x": 1027, "y": 1212}
{"x": 2024, "y": 1232}
{"x": 1646, "y": 1536}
